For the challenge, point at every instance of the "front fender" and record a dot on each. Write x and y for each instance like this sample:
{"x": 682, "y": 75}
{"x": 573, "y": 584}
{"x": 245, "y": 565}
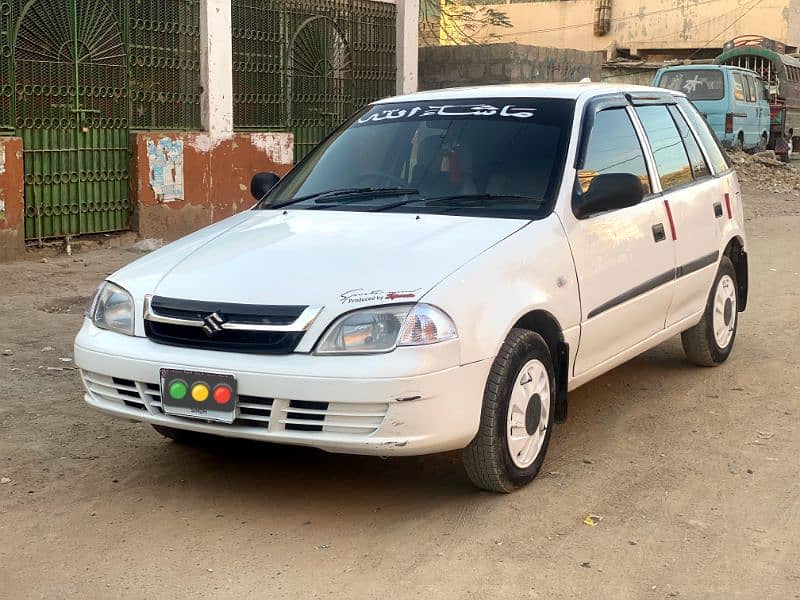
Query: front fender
{"x": 531, "y": 269}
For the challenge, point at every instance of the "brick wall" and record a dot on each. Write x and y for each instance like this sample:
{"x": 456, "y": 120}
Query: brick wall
{"x": 453, "y": 66}
{"x": 184, "y": 181}
{"x": 12, "y": 205}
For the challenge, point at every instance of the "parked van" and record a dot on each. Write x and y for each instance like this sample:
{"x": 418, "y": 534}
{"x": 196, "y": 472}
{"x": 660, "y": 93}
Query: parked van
{"x": 734, "y": 101}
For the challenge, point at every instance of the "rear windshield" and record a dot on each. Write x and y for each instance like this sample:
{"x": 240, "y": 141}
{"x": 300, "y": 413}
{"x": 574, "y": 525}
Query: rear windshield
{"x": 487, "y": 157}
{"x": 697, "y": 84}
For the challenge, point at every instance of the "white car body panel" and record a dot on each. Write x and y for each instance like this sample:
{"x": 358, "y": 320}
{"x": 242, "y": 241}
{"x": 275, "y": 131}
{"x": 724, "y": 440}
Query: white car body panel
{"x": 485, "y": 273}
{"x": 339, "y": 260}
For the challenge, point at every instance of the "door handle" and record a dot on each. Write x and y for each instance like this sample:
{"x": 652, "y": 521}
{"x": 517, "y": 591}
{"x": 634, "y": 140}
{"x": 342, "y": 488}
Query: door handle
{"x": 717, "y": 209}
{"x": 659, "y": 235}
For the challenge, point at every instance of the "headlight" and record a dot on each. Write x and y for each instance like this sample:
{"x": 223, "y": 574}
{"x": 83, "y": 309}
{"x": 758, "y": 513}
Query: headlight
{"x": 112, "y": 309}
{"x": 382, "y": 329}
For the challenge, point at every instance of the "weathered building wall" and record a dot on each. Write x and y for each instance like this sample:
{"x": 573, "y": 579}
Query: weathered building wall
{"x": 637, "y": 75}
{"x": 638, "y": 25}
{"x": 184, "y": 181}
{"x": 448, "y": 66}
{"x": 12, "y": 203}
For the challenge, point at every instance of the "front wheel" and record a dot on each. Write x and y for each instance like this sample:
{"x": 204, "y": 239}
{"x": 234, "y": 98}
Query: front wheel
{"x": 517, "y": 415}
{"x": 709, "y": 343}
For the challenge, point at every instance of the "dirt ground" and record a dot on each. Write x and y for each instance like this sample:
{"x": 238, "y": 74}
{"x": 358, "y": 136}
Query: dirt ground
{"x": 694, "y": 471}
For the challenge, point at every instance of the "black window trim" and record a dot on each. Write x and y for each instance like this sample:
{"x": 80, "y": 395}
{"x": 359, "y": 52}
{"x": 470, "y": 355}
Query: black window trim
{"x": 662, "y": 191}
{"x": 598, "y": 104}
{"x": 703, "y": 149}
{"x": 708, "y": 174}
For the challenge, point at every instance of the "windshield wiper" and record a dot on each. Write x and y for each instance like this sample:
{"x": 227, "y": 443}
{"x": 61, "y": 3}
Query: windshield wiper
{"x": 332, "y": 196}
{"x": 477, "y": 199}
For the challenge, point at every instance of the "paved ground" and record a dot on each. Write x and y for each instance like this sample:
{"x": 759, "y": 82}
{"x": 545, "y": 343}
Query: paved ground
{"x": 694, "y": 471}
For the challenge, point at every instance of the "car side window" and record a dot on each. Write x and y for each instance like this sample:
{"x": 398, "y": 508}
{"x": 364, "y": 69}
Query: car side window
{"x": 705, "y": 135}
{"x": 696, "y": 159}
{"x": 738, "y": 87}
{"x": 668, "y": 150}
{"x": 751, "y": 89}
{"x": 613, "y": 147}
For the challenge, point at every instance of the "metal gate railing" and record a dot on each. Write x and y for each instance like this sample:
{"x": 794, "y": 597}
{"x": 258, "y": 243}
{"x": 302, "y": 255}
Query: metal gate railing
{"x": 75, "y": 77}
{"x": 306, "y": 66}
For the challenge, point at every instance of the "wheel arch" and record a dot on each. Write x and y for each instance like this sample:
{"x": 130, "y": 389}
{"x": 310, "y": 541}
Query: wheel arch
{"x": 545, "y": 324}
{"x": 735, "y": 251}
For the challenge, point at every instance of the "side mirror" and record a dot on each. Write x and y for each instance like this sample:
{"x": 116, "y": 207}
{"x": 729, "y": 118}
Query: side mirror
{"x": 262, "y": 183}
{"x": 610, "y": 191}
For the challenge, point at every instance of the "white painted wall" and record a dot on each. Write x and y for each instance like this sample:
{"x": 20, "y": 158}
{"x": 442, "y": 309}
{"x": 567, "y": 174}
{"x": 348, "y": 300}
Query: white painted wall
{"x": 407, "y": 45}
{"x": 216, "y": 60}
{"x": 216, "y": 64}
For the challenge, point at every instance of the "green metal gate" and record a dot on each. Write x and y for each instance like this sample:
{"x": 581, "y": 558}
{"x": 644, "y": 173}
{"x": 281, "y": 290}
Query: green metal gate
{"x": 305, "y": 66}
{"x": 71, "y": 106}
{"x": 75, "y": 76}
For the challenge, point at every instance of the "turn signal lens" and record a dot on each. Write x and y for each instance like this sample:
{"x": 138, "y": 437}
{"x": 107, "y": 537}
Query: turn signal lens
{"x": 426, "y": 324}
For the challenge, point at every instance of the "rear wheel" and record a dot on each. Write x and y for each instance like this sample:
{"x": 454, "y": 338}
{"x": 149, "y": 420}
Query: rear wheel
{"x": 517, "y": 415}
{"x": 709, "y": 343}
{"x": 738, "y": 144}
{"x": 762, "y": 144}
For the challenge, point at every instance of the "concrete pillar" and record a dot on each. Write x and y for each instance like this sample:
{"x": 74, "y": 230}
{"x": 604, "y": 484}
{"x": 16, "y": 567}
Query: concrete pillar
{"x": 216, "y": 64}
{"x": 407, "y": 45}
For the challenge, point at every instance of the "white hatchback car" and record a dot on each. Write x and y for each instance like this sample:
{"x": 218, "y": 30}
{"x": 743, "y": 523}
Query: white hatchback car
{"x": 436, "y": 275}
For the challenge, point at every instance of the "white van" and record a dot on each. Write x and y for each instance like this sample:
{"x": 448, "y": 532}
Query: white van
{"x": 437, "y": 274}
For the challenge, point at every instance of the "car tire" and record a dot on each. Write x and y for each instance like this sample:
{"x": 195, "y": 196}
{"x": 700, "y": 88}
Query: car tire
{"x": 762, "y": 145}
{"x": 517, "y": 415}
{"x": 738, "y": 144}
{"x": 709, "y": 343}
{"x": 184, "y": 436}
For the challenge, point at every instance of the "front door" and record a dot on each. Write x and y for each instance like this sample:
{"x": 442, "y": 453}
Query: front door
{"x": 624, "y": 258}
{"x": 72, "y": 114}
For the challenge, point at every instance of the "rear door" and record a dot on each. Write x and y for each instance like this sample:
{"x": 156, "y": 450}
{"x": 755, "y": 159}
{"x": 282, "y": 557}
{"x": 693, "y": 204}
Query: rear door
{"x": 754, "y": 109}
{"x": 699, "y": 213}
{"x": 743, "y": 110}
{"x": 624, "y": 258}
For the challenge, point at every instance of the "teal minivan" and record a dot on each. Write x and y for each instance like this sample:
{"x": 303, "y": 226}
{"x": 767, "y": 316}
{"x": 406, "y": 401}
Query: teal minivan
{"x": 734, "y": 101}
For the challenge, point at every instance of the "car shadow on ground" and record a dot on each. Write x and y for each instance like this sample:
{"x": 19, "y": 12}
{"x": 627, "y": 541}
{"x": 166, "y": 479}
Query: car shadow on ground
{"x": 259, "y": 473}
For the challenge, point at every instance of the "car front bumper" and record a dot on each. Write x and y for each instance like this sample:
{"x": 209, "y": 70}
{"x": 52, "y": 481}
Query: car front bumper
{"x": 412, "y": 401}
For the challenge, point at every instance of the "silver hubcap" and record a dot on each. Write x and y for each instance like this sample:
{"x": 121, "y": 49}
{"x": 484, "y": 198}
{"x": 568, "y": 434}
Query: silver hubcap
{"x": 724, "y": 319}
{"x": 528, "y": 413}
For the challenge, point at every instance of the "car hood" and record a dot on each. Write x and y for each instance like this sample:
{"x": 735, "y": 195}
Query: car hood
{"x": 337, "y": 259}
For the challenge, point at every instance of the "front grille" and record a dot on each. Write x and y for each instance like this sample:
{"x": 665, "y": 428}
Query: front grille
{"x": 248, "y": 342}
{"x": 356, "y": 418}
{"x": 190, "y": 333}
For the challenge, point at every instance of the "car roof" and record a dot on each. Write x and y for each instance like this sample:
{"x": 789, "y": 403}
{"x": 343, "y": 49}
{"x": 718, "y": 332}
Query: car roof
{"x": 571, "y": 91}
{"x": 707, "y": 68}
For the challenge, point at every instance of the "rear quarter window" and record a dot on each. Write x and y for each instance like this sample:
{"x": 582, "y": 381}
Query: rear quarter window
{"x": 738, "y": 87}
{"x": 706, "y": 137}
{"x": 751, "y": 89}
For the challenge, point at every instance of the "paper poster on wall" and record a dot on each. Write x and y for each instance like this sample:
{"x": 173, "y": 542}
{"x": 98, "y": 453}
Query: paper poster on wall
{"x": 166, "y": 168}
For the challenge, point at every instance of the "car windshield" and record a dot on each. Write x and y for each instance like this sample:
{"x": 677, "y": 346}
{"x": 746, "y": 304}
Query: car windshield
{"x": 697, "y": 84}
{"x": 487, "y": 157}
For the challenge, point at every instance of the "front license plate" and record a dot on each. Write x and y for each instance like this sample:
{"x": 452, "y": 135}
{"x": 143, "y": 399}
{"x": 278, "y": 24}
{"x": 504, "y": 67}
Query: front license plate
{"x": 206, "y": 396}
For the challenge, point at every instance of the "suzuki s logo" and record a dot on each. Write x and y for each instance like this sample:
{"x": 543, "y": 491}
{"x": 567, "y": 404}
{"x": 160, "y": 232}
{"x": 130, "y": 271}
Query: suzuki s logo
{"x": 213, "y": 323}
